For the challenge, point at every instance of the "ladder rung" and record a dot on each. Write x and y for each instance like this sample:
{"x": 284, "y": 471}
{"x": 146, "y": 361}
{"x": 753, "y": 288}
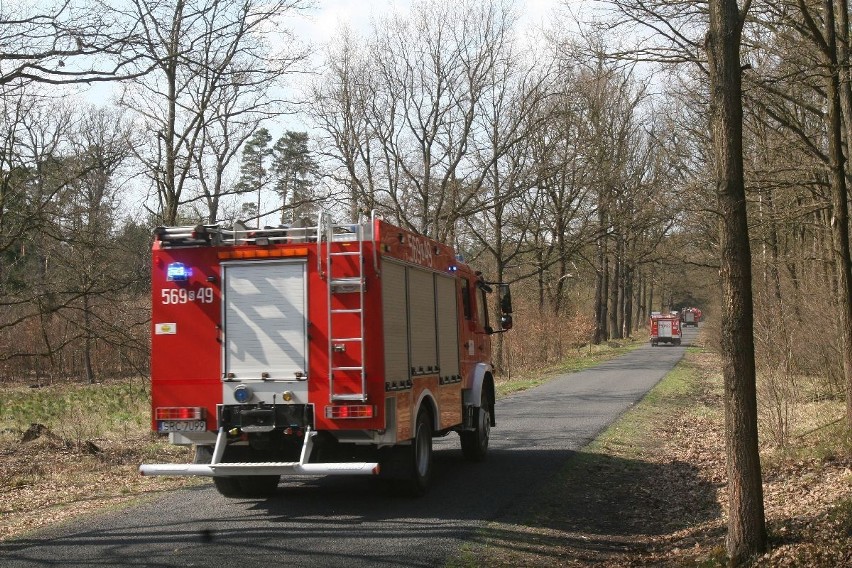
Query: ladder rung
{"x": 348, "y": 253}
{"x": 347, "y": 368}
{"x": 348, "y": 311}
{"x": 346, "y": 339}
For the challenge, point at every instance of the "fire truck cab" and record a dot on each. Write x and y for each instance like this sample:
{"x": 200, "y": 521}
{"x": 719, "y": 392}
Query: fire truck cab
{"x": 340, "y": 349}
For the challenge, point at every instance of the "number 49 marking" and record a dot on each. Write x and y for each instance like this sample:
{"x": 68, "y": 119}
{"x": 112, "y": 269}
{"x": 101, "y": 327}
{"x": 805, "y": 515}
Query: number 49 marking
{"x": 203, "y": 295}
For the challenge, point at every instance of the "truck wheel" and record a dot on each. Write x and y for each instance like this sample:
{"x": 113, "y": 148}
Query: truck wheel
{"x": 474, "y": 443}
{"x": 420, "y": 457}
{"x": 239, "y": 486}
{"x": 247, "y": 486}
{"x": 228, "y": 487}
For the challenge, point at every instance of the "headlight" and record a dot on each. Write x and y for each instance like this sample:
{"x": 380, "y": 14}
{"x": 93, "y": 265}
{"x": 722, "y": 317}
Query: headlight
{"x": 242, "y": 394}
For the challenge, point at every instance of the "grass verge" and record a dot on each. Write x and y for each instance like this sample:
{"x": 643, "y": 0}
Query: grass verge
{"x": 600, "y": 509}
{"x": 83, "y": 455}
{"x": 651, "y": 491}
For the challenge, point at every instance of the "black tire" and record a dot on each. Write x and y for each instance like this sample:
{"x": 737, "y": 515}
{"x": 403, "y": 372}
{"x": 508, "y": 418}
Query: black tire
{"x": 474, "y": 443}
{"x": 228, "y": 487}
{"x": 247, "y": 486}
{"x": 240, "y": 486}
{"x": 419, "y": 458}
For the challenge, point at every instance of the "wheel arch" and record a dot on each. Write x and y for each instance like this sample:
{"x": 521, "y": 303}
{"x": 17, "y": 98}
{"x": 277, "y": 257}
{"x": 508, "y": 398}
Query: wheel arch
{"x": 483, "y": 378}
{"x": 427, "y": 401}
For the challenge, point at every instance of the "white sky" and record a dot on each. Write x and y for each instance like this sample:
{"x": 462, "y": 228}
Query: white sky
{"x": 325, "y": 19}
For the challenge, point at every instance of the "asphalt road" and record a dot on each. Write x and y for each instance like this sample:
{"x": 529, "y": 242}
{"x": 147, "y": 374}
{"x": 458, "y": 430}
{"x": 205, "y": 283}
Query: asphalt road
{"x": 338, "y": 521}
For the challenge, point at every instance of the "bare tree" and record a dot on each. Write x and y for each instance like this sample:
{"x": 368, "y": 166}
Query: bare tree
{"x": 676, "y": 37}
{"x": 746, "y": 522}
{"x": 64, "y": 41}
{"x": 410, "y": 116}
{"x": 197, "y": 49}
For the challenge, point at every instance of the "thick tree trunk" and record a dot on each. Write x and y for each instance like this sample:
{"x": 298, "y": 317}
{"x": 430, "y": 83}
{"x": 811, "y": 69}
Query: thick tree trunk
{"x": 615, "y": 284}
{"x": 628, "y": 301}
{"x": 600, "y": 290}
{"x": 746, "y": 521}
{"x": 839, "y": 201}
{"x": 651, "y": 294}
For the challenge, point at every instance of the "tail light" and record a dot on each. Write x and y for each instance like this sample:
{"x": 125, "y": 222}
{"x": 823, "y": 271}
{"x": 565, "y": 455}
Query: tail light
{"x": 349, "y": 411}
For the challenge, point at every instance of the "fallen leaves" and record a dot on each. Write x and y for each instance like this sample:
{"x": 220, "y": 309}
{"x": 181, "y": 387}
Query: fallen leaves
{"x": 46, "y": 481}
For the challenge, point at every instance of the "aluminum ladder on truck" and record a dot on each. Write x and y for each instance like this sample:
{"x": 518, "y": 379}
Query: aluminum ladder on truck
{"x": 340, "y": 284}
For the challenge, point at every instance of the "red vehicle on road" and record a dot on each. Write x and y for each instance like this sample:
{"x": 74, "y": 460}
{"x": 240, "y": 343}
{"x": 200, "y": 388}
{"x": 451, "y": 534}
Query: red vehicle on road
{"x": 336, "y": 349}
{"x": 690, "y": 316}
{"x": 665, "y": 328}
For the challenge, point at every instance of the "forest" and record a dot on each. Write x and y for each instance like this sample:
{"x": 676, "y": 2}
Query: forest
{"x": 544, "y": 159}
{"x": 577, "y": 159}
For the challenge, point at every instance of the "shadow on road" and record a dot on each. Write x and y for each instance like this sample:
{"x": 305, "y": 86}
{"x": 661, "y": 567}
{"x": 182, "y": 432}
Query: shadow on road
{"x": 532, "y": 477}
{"x": 599, "y": 499}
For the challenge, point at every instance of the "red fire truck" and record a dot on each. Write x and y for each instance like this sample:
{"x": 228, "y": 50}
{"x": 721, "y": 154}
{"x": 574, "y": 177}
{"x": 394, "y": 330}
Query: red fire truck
{"x": 690, "y": 316}
{"x": 665, "y": 328}
{"x": 337, "y": 349}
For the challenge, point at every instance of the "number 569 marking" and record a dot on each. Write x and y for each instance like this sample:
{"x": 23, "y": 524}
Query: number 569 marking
{"x": 203, "y": 295}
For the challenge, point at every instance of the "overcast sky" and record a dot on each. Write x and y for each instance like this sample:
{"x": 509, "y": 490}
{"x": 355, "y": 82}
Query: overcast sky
{"x": 323, "y": 21}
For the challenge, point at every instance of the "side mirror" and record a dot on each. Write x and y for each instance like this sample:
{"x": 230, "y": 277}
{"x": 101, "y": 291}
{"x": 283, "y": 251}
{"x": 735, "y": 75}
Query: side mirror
{"x": 506, "y": 322}
{"x": 505, "y": 296}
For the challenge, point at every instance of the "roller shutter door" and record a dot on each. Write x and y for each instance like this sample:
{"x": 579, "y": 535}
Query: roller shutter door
{"x": 394, "y": 310}
{"x": 448, "y": 328}
{"x": 264, "y": 319}
{"x": 422, "y": 325}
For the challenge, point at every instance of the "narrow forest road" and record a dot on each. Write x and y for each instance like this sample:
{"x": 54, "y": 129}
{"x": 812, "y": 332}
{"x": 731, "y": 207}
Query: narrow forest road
{"x": 350, "y": 522}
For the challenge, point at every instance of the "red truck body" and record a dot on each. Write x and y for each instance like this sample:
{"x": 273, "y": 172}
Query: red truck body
{"x": 337, "y": 349}
{"x": 691, "y": 316}
{"x": 665, "y": 328}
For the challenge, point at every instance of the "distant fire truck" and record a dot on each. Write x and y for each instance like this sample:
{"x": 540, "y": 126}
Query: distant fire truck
{"x": 665, "y": 328}
{"x": 337, "y": 349}
{"x": 690, "y": 316}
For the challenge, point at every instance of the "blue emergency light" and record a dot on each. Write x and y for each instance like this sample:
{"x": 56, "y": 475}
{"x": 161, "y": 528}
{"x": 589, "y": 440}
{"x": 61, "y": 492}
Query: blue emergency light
{"x": 178, "y": 272}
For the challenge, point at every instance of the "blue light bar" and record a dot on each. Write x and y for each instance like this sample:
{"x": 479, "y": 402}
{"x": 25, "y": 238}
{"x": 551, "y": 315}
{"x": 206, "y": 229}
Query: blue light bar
{"x": 178, "y": 272}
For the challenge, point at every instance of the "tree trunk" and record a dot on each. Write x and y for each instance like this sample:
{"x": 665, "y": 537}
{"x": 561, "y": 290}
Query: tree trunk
{"x": 840, "y": 206}
{"x": 87, "y": 345}
{"x": 628, "y": 301}
{"x": 615, "y": 284}
{"x": 746, "y": 521}
{"x": 651, "y": 294}
{"x": 600, "y": 289}
{"x": 641, "y": 303}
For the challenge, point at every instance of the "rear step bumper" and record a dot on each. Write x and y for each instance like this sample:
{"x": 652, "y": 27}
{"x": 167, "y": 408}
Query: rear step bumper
{"x": 217, "y": 468}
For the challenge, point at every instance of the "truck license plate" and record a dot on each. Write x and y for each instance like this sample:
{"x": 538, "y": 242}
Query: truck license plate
{"x": 181, "y": 426}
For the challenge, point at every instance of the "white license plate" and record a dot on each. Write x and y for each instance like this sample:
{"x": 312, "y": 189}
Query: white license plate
{"x": 181, "y": 426}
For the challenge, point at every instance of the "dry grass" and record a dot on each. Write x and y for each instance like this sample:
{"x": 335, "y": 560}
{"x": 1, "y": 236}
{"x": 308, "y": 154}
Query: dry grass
{"x": 85, "y": 460}
{"x": 651, "y": 491}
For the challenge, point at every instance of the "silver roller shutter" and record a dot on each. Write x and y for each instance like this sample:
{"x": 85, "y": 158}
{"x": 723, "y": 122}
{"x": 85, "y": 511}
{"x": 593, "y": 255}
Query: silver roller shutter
{"x": 448, "y": 327}
{"x": 394, "y": 310}
{"x": 421, "y": 310}
{"x": 264, "y": 319}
